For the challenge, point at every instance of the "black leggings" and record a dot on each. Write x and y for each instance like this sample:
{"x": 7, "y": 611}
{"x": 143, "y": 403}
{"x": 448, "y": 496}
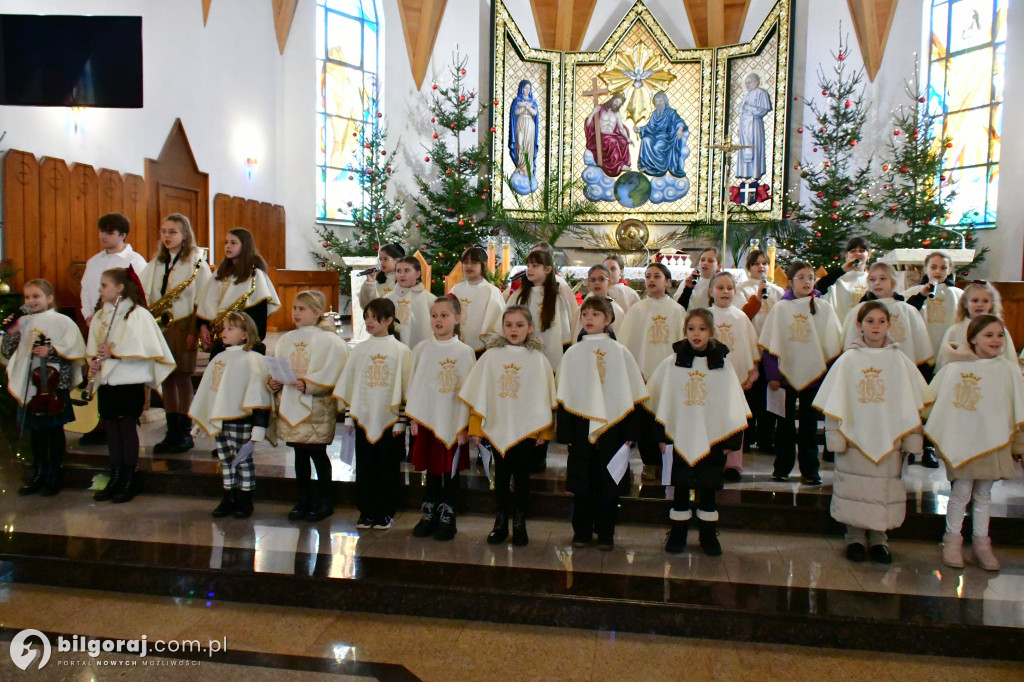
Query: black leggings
{"x": 123, "y": 441}
{"x": 442, "y": 488}
{"x": 798, "y": 445}
{"x": 514, "y": 467}
{"x": 48, "y": 442}
{"x": 318, "y": 454}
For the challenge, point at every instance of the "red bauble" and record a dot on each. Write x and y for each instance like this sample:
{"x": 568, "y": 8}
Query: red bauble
{"x": 943, "y": 235}
{"x": 796, "y": 166}
{"x": 885, "y": 186}
{"x": 398, "y": 217}
{"x": 453, "y": 126}
{"x": 833, "y": 216}
{"x": 462, "y": 71}
{"x": 824, "y": 149}
{"x": 942, "y": 178}
{"x": 435, "y": 136}
{"x": 814, "y": 149}
{"x": 434, "y": 86}
{"x": 461, "y": 223}
{"x": 493, "y": 129}
{"x": 892, "y": 208}
{"x": 448, "y": 171}
{"x": 821, "y": 194}
{"x": 383, "y": 152}
{"x": 885, "y": 166}
{"x": 903, "y": 169}
{"x": 348, "y": 203}
{"x": 355, "y": 134}
{"x": 896, "y": 132}
{"x": 847, "y": 104}
{"x": 379, "y": 114}
{"x": 360, "y": 242}
{"x": 472, "y": 130}
{"x": 323, "y": 265}
{"x": 495, "y": 102}
{"x": 326, "y": 244}
{"x": 462, "y": 98}
{"x": 824, "y": 92}
{"x": 949, "y": 145}
{"x": 835, "y": 204}
{"x": 800, "y": 129}
{"x": 433, "y": 120}
{"x": 789, "y": 215}
{"x": 376, "y": 247}
{"x": 826, "y": 164}
{"x": 417, "y": 224}
{"x": 426, "y": 158}
{"x": 867, "y": 214}
{"x": 853, "y": 143}
{"x": 795, "y": 98}
{"x": 388, "y": 169}
{"x": 842, "y": 57}
{"x": 921, "y": 100}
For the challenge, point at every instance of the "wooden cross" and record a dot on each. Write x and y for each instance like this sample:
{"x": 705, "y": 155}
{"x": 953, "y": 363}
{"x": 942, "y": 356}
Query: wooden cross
{"x": 727, "y": 149}
{"x": 596, "y": 90}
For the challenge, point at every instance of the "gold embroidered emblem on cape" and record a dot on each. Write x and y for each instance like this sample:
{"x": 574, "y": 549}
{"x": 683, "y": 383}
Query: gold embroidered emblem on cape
{"x": 908, "y": 329}
{"x": 978, "y": 407}
{"x": 141, "y": 354}
{"x": 412, "y": 313}
{"x": 650, "y": 329}
{"x": 698, "y": 407}
{"x": 439, "y": 369}
{"x": 512, "y": 388}
{"x": 876, "y": 395}
{"x": 735, "y": 330}
{"x": 316, "y": 356}
{"x": 236, "y": 387}
{"x": 482, "y": 305}
{"x": 801, "y": 362}
{"x": 600, "y": 381}
{"x": 374, "y": 383}
{"x": 66, "y": 340}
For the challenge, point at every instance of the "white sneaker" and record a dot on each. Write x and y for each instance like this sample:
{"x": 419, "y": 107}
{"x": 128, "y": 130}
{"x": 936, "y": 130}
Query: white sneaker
{"x": 383, "y": 523}
{"x": 364, "y": 522}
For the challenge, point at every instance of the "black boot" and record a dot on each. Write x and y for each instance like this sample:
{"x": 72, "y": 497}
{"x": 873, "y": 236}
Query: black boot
{"x": 243, "y": 504}
{"x": 427, "y": 524}
{"x": 322, "y": 507}
{"x": 130, "y": 488}
{"x": 39, "y": 469}
{"x": 113, "y": 485}
{"x": 500, "y": 531}
{"x": 183, "y": 436}
{"x": 54, "y": 475}
{"x": 445, "y": 523}
{"x": 928, "y": 458}
{"x": 166, "y": 446}
{"x": 226, "y": 506}
{"x": 709, "y": 538}
{"x": 519, "y": 536}
{"x": 676, "y": 542}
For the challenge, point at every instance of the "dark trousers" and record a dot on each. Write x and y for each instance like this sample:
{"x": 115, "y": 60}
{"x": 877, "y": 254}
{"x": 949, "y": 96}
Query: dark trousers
{"x": 513, "y": 470}
{"x": 317, "y": 454}
{"x": 595, "y": 494}
{"x": 441, "y": 488}
{"x": 48, "y": 445}
{"x": 792, "y": 444}
{"x": 378, "y": 471}
{"x": 760, "y": 427}
{"x": 123, "y": 442}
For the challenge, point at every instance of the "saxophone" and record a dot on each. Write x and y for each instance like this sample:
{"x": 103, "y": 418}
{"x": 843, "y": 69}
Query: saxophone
{"x": 217, "y": 326}
{"x": 161, "y": 309}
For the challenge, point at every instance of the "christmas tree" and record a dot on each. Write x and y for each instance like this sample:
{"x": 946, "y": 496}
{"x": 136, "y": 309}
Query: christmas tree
{"x": 915, "y": 190}
{"x": 840, "y": 201}
{"x": 377, "y": 220}
{"x": 452, "y": 205}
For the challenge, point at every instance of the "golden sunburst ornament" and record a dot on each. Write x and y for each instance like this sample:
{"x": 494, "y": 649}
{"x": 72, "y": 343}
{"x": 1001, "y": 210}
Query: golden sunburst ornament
{"x": 638, "y": 74}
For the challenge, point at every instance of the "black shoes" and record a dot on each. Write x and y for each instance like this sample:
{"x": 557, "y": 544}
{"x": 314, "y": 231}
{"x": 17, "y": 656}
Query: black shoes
{"x": 300, "y": 510}
{"x": 880, "y": 554}
{"x": 129, "y": 489}
{"x": 39, "y": 470}
{"x": 709, "y": 538}
{"x": 605, "y": 544}
{"x": 519, "y": 536}
{"x": 856, "y": 552}
{"x": 732, "y": 475}
{"x": 243, "y": 504}
{"x": 445, "y": 523}
{"x": 780, "y": 478}
{"x": 428, "y": 522}
{"x": 811, "y": 480}
{"x": 226, "y": 506}
{"x": 928, "y": 459}
{"x": 113, "y": 484}
{"x": 676, "y": 540}
{"x": 500, "y": 531}
{"x": 320, "y": 511}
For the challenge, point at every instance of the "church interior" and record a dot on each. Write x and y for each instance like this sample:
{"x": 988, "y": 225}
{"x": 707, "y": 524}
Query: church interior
{"x": 652, "y": 130}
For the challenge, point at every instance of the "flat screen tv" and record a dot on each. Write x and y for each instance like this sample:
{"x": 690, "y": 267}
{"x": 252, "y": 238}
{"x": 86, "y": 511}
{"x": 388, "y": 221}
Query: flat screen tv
{"x": 62, "y": 61}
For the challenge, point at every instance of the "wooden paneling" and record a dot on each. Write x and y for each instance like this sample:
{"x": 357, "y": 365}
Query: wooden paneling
{"x": 51, "y": 212}
{"x": 287, "y": 283}
{"x": 561, "y": 24}
{"x": 872, "y": 20}
{"x": 420, "y": 21}
{"x": 284, "y": 12}
{"x": 1012, "y": 294}
{"x": 176, "y": 185}
{"x": 716, "y": 22}
{"x": 265, "y": 221}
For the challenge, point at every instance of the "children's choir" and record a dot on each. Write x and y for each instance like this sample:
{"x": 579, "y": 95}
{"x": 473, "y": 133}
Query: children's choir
{"x": 687, "y": 378}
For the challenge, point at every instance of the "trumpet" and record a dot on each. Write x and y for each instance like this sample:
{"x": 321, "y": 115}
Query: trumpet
{"x": 90, "y": 390}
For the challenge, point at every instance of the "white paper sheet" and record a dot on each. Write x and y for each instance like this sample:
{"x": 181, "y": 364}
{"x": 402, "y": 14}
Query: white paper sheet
{"x": 281, "y": 369}
{"x": 347, "y": 453}
{"x": 619, "y": 464}
{"x": 777, "y": 402}
{"x": 666, "y": 466}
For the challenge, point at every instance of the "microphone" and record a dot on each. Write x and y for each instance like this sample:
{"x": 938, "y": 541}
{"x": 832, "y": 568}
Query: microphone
{"x": 11, "y": 319}
{"x": 925, "y": 282}
{"x": 764, "y": 294}
{"x": 856, "y": 262}
{"x": 367, "y": 271}
{"x": 518, "y": 276}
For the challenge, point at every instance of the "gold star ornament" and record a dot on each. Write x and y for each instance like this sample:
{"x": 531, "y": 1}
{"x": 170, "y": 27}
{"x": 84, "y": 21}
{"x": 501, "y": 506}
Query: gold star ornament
{"x": 639, "y": 74}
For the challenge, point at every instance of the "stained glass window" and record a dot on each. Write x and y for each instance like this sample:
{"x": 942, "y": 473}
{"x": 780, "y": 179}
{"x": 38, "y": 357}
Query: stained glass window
{"x": 965, "y": 83}
{"x": 347, "y": 46}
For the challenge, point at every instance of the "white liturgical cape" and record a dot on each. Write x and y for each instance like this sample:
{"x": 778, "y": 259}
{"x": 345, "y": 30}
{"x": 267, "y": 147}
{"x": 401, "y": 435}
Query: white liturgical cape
{"x": 374, "y": 382}
{"x": 906, "y": 328}
{"x": 748, "y": 288}
{"x": 698, "y": 407}
{"x": 220, "y": 295}
{"x": 184, "y": 305}
{"x": 234, "y": 384}
{"x": 803, "y": 343}
{"x": 650, "y": 329}
{"x": 412, "y": 313}
{"x": 624, "y": 295}
{"x": 600, "y": 381}
{"x": 65, "y": 339}
{"x": 140, "y": 352}
{"x": 482, "y": 305}
{"x": 438, "y": 372}
{"x": 978, "y": 407}
{"x": 955, "y": 339}
{"x": 939, "y": 312}
{"x": 512, "y": 388}
{"x": 735, "y": 330}
{"x": 316, "y": 356}
{"x": 876, "y": 395}
{"x": 846, "y": 292}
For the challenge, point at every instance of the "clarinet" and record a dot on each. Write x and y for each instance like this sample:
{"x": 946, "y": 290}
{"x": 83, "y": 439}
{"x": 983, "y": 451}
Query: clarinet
{"x": 90, "y": 390}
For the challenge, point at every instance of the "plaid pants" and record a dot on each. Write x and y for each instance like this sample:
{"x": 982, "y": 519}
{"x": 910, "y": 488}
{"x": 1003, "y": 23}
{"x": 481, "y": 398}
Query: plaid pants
{"x": 234, "y": 434}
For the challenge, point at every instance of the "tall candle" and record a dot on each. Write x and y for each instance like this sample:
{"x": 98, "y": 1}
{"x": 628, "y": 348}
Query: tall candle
{"x": 490, "y": 255}
{"x": 506, "y": 256}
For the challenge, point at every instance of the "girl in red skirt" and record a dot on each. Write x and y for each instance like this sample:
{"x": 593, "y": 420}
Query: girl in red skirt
{"x": 439, "y": 418}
